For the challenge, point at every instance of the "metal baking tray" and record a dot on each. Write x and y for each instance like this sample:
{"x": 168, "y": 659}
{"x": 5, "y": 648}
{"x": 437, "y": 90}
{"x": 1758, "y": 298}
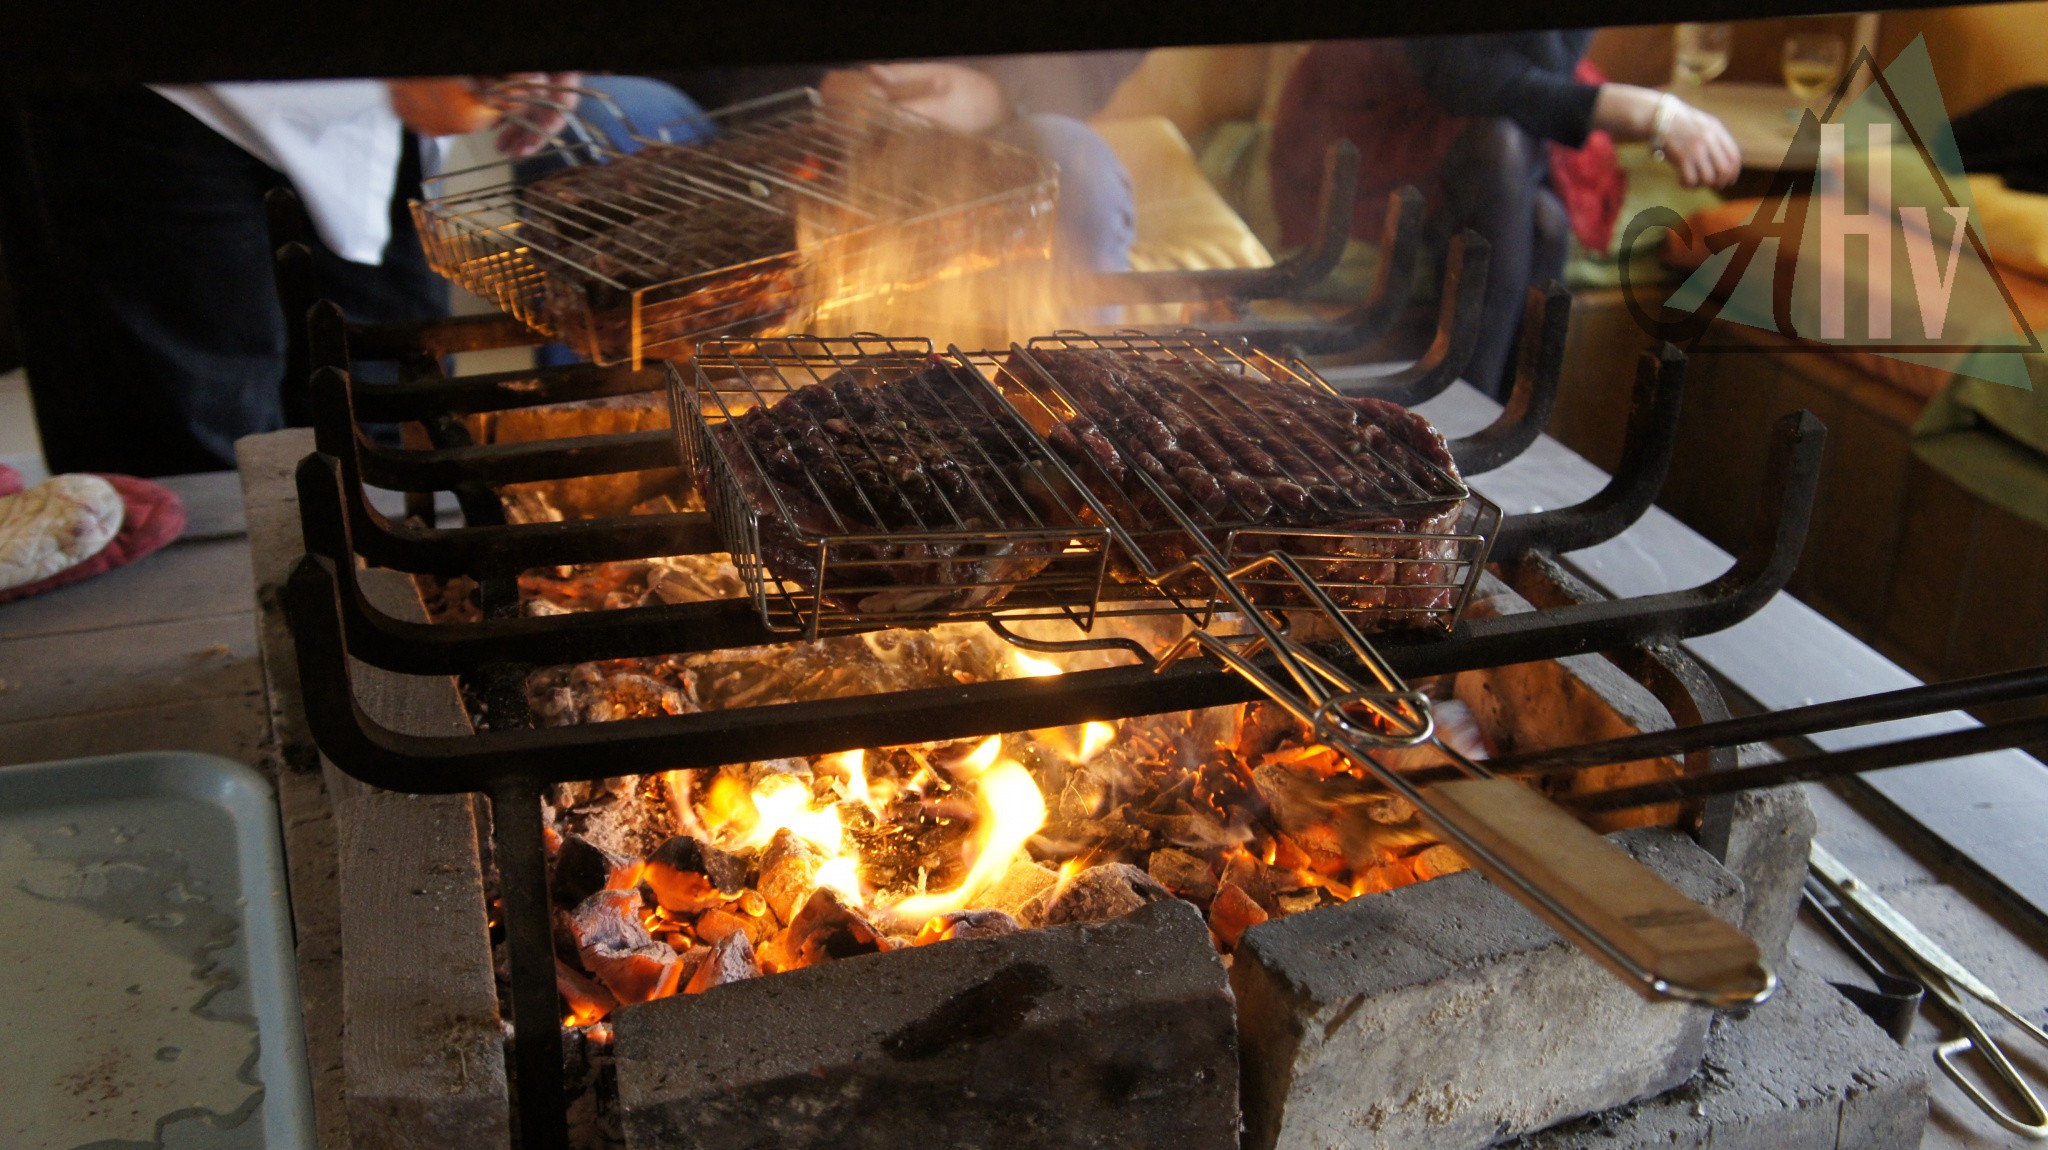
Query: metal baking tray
{"x": 151, "y": 994}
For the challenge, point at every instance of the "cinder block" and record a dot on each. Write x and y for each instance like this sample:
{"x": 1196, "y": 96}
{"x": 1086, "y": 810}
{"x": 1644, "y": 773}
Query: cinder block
{"x": 1445, "y": 1015}
{"x": 1804, "y": 1071}
{"x": 1117, "y": 1034}
{"x": 1770, "y": 833}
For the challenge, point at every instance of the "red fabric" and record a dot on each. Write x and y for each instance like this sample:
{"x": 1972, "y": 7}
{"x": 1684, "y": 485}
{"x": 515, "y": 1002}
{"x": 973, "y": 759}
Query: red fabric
{"x": 10, "y": 481}
{"x": 1589, "y": 179}
{"x": 151, "y": 519}
{"x": 1366, "y": 92}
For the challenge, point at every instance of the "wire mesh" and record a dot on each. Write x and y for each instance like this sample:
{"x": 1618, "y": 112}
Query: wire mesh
{"x": 638, "y": 255}
{"x": 1392, "y": 535}
{"x": 797, "y": 443}
{"x": 866, "y": 482}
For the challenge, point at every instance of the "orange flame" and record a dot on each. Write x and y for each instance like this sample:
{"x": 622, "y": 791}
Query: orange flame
{"x": 1009, "y": 811}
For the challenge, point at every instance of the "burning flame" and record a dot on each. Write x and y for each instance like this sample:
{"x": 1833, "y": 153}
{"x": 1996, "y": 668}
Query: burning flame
{"x": 1095, "y": 737}
{"x": 853, "y": 786}
{"x": 747, "y": 819}
{"x": 1030, "y": 668}
{"x": 1009, "y": 811}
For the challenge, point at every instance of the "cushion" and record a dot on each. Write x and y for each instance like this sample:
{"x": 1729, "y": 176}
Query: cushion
{"x": 1183, "y": 224}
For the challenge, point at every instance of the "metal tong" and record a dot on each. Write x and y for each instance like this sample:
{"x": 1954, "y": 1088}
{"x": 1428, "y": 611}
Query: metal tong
{"x": 1948, "y": 981}
{"x": 1623, "y": 914}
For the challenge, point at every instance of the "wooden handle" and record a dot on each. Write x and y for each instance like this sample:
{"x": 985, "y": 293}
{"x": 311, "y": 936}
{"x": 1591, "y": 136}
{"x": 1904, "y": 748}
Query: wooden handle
{"x": 1627, "y": 915}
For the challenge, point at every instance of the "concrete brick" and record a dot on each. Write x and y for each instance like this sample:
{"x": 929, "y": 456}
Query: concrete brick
{"x": 1769, "y": 835}
{"x": 1804, "y": 1071}
{"x": 1445, "y": 1015}
{"x": 1117, "y": 1034}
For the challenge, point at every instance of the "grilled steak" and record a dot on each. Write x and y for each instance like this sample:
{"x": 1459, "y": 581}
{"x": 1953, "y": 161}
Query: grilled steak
{"x": 920, "y": 456}
{"x": 1238, "y": 453}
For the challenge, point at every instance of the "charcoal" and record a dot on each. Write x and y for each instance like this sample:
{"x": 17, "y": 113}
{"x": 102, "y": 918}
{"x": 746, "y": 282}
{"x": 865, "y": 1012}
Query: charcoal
{"x": 1183, "y": 874}
{"x": 688, "y": 875}
{"x": 1101, "y": 893}
{"x": 582, "y": 868}
{"x": 789, "y": 873}
{"x": 615, "y": 947}
{"x": 714, "y": 924}
{"x": 966, "y": 924}
{"x": 1232, "y": 913}
{"x": 730, "y": 960}
{"x": 825, "y": 929}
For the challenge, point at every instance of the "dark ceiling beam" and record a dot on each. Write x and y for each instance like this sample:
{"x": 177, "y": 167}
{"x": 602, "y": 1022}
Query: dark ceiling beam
{"x": 116, "y": 41}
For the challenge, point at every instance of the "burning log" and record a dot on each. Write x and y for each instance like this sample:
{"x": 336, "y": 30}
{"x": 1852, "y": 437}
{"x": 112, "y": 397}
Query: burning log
{"x": 615, "y": 947}
{"x": 582, "y": 868}
{"x": 1233, "y": 913}
{"x": 1101, "y": 893}
{"x": 966, "y": 924}
{"x": 731, "y": 960}
{"x": 1183, "y": 874}
{"x": 827, "y": 928}
{"x": 689, "y": 875}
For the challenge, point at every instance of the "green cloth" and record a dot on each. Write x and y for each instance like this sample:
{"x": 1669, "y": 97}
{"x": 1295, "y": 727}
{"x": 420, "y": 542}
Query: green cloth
{"x": 1992, "y": 440}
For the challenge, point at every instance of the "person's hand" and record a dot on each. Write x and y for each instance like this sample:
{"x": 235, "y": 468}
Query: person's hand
{"x": 530, "y": 107}
{"x": 954, "y": 95}
{"x": 536, "y": 106}
{"x": 1699, "y": 145}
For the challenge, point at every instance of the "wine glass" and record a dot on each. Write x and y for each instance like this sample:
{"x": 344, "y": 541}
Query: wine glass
{"x": 1701, "y": 52}
{"x": 1812, "y": 65}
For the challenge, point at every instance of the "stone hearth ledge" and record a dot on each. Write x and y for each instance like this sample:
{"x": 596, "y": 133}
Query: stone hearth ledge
{"x": 1445, "y": 1015}
{"x": 1118, "y": 1034}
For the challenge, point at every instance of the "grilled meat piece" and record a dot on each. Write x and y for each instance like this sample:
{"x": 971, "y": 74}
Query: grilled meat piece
{"x": 920, "y": 455}
{"x": 1159, "y": 440}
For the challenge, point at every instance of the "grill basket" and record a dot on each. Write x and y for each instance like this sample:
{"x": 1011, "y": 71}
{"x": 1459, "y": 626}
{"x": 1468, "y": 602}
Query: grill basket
{"x": 816, "y": 563}
{"x": 636, "y": 256}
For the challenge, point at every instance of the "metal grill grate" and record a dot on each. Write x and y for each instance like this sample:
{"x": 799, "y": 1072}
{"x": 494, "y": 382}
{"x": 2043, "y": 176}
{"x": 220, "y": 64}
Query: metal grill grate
{"x": 1400, "y": 542}
{"x": 824, "y": 551}
{"x": 639, "y": 256}
{"x": 866, "y": 482}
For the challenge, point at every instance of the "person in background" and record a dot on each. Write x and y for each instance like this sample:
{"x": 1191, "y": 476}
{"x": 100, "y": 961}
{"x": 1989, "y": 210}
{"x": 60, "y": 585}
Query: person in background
{"x": 1038, "y": 102}
{"x": 134, "y": 230}
{"x": 1510, "y": 135}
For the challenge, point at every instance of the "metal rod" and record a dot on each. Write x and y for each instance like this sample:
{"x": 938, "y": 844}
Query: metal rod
{"x": 1827, "y": 765}
{"x": 1538, "y": 368}
{"x": 522, "y": 858}
{"x": 1460, "y": 313}
{"x": 1886, "y": 707}
{"x": 1645, "y": 459}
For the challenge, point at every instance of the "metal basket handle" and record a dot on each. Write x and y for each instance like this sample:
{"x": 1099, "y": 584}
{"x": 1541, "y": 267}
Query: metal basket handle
{"x": 1626, "y": 916}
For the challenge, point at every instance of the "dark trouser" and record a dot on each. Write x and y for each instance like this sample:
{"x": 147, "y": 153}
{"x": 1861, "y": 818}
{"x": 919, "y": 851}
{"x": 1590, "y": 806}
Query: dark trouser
{"x": 136, "y": 242}
{"x": 1496, "y": 182}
